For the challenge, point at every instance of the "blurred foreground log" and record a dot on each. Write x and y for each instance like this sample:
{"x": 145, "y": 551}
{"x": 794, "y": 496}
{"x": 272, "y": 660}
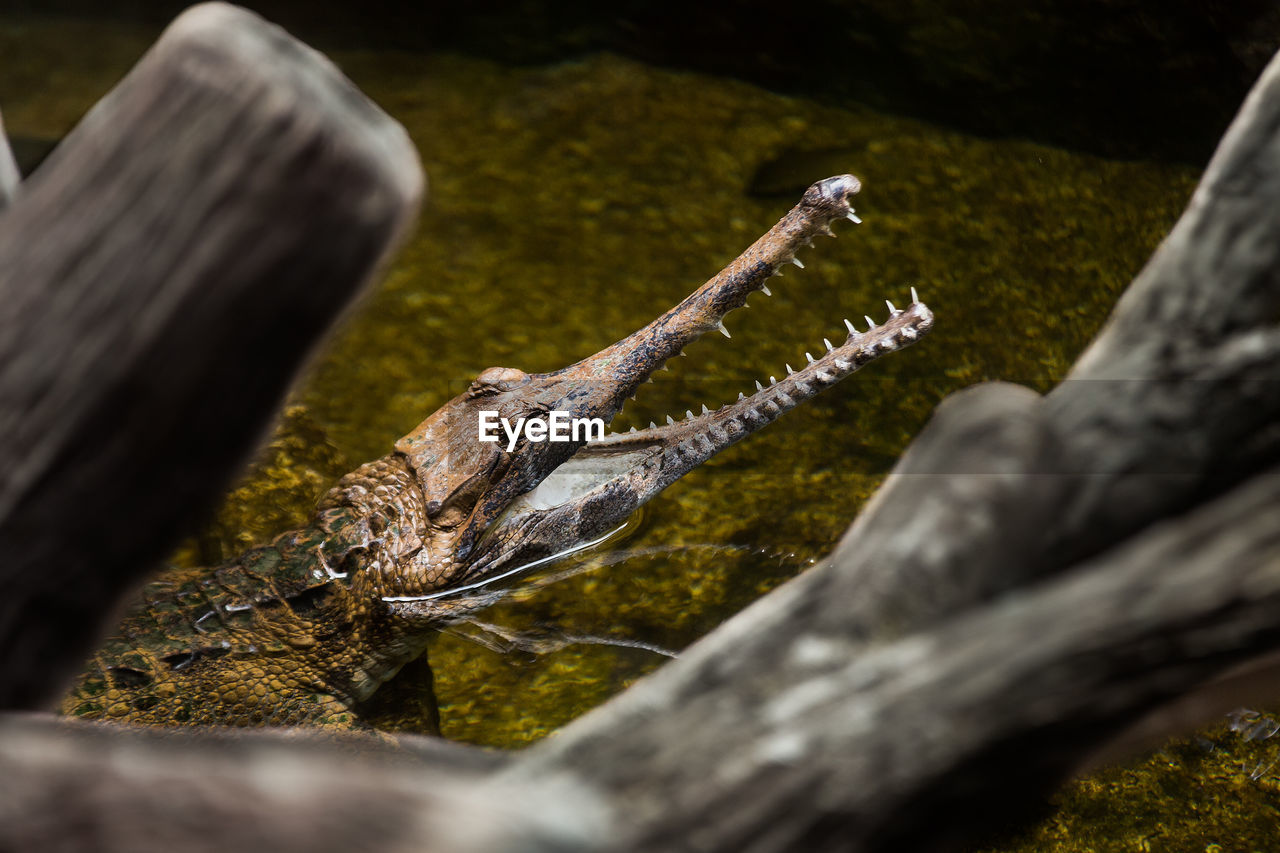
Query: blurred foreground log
{"x": 1035, "y": 575}
{"x": 73, "y": 786}
{"x": 161, "y": 280}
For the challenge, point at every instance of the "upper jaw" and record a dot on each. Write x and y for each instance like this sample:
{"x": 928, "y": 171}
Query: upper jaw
{"x": 628, "y": 363}
{"x": 598, "y": 385}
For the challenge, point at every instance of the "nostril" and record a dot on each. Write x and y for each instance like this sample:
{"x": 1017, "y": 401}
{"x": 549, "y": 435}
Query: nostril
{"x": 841, "y": 186}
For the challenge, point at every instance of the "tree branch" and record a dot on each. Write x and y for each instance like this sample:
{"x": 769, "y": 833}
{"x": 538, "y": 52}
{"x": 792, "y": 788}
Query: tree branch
{"x": 161, "y": 280}
{"x": 68, "y": 785}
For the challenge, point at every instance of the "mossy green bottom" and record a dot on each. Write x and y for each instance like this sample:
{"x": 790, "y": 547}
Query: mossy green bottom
{"x": 571, "y": 204}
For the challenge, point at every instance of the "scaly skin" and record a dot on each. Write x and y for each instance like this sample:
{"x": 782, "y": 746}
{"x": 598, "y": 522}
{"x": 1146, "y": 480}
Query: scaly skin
{"x": 278, "y": 637}
{"x": 304, "y": 630}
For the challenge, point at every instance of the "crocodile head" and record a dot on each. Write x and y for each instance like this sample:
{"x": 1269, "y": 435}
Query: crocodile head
{"x": 494, "y": 508}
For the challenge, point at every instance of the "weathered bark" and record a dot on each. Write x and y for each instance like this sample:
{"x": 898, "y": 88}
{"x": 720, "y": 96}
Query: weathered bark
{"x": 74, "y": 786}
{"x": 1036, "y": 574}
{"x": 1184, "y": 380}
{"x": 161, "y": 279}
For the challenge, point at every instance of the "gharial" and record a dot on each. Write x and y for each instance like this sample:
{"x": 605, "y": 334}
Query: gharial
{"x": 305, "y": 629}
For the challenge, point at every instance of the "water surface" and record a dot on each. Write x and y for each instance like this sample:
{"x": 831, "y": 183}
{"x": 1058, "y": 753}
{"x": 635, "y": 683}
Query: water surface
{"x": 570, "y": 204}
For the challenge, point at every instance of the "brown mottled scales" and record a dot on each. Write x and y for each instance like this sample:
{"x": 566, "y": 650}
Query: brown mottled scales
{"x": 305, "y": 629}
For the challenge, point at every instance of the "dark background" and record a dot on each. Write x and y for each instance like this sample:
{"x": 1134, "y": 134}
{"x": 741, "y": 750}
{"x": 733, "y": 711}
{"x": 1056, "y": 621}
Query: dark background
{"x": 1122, "y": 78}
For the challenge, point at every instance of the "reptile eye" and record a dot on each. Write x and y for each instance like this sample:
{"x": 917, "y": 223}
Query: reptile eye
{"x": 496, "y": 380}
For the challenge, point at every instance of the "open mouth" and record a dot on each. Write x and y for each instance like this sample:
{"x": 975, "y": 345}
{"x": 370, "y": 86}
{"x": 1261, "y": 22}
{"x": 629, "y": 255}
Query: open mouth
{"x": 594, "y": 490}
{"x": 679, "y": 446}
{"x": 749, "y": 412}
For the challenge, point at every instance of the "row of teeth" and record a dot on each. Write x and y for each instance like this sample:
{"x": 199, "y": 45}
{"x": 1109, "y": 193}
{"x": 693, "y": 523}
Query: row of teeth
{"x": 907, "y": 333}
{"x": 764, "y": 288}
{"x": 825, "y": 229}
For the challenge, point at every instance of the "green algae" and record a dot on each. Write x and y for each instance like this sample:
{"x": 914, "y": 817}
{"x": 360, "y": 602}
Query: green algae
{"x": 570, "y": 204}
{"x": 1216, "y": 792}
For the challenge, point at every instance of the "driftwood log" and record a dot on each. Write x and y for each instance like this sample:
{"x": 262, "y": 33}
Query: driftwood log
{"x": 1036, "y": 575}
{"x": 161, "y": 279}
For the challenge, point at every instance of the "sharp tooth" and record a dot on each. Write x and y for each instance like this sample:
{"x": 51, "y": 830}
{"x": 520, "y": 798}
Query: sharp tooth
{"x": 670, "y": 420}
{"x": 652, "y": 425}
{"x": 798, "y": 262}
{"x": 705, "y": 409}
{"x": 778, "y": 272}
{"x": 850, "y": 327}
{"x": 828, "y": 345}
{"x": 808, "y": 358}
{"x": 853, "y": 217}
{"x": 842, "y": 364}
{"x": 914, "y": 298}
{"x": 723, "y": 330}
{"x": 759, "y": 387}
{"x": 741, "y": 396}
{"x": 633, "y": 429}
{"x": 764, "y": 288}
{"x": 688, "y": 414}
{"x": 871, "y": 324}
{"x": 808, "y": 241}
{"x": 772, "y": 381}
{"x": 789, "y": 370}
{"x": 892, "y": 311}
